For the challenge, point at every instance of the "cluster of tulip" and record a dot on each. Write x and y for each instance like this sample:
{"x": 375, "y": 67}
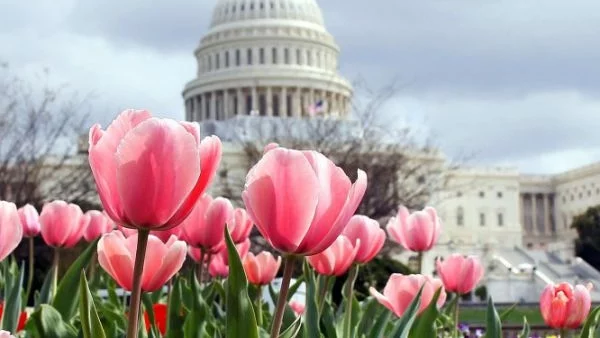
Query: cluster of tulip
{"x": 151, "y": 175}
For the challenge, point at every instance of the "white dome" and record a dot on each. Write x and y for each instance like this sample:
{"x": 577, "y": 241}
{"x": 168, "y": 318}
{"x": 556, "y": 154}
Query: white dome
{"x": 227, "y": 11}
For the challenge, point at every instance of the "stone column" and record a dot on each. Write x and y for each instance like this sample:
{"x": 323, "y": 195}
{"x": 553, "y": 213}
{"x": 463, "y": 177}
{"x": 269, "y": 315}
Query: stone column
{"x": 269, "y": 100}
{"x": 213, "y": 105}
{"x": 203, "y": 107}
{"x": 240, "y": 102}
{"x": 547, "y": 227}
{"x": 283, "y": 102}
{"x": 534, "y": 213}
{"x": 196, "y": 108}
{"x": 226, "y": 112}
{"x": 311, "y": 97}
{"x": 522, "y": 212}
{"x": 297, "y": 103}
{"x": 254, "y": 99}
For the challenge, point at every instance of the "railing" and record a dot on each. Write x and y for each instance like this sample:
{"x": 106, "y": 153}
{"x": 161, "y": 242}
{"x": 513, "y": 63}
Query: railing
{"x": 512, "y": 331}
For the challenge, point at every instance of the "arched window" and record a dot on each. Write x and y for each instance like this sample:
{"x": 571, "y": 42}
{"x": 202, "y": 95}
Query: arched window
{"x": 249, "y": 52}
{"x": 274, "y": 56}
{"x": 460, "y": 216}
{"x": 299, "y": 56}
{"x": 286, "y": 56}
{"x": 227, "y": 59}
{"x": 238, "y": 58}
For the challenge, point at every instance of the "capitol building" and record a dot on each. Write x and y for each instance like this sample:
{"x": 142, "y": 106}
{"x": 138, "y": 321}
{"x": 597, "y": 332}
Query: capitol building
{"x": 275, "y": 60}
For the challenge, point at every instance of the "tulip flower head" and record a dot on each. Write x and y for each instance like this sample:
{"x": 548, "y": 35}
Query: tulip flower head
{"x": 6, "y": 334}
{"x": 262, "y": 268}
{"x": 369, "y": 233}
{"x": 217, "y": 268}
{"x": 400, "y": 291}
{"x": 300, "y": 201}
{"x": 335, "y": 260}
{"x": 239, "y": 226}
{"x": 163, "y": 235}
{"x": 416, "y": 232}
{"x": 61, "y": 225}
{"x": 205, "y": 226}
{"x": 564, "y": 306}
{"x": 11, "y": 231}
{"x": 96, "y": 224}
{"x": 160, "y": 317}
{"x": 298, "y": 307}
{"x": 460, "y": 274}
{"x": 116, "y": 255}
{"x": 30, "y": 220}
{"x": 149, "y": 172}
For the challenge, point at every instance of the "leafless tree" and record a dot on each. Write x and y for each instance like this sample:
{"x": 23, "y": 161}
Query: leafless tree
{"x": 40, "y": 126}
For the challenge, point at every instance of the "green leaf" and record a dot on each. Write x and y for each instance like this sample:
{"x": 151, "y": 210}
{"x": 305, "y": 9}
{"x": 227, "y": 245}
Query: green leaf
{"x": 195, "y": 323}
{"x": 405, "y": 323}
{"x": 425, "y": 323}
{"x": 13, "y": 301}
{"x": 46, "y": 322}
{"x": 380, "y": 325}
{"x": 240, "y": 320}
{"x": 175, "y": 317}
{"x": 148, "y": 302}
{"x": 66, "y": 298}
{"x": 328, "y": 322}
{"x": 525, "y": 332}
{"x": 293, "y": 330}
{"x": 590, "y": 324}
{"x": 507, "y": 312}
{"x": 46, "y": 290}
{"x": 493, "y": 323}
{"x": 293, "y": 288}
{"x": 370, "y": 308}
{"x": 311, "y": 315}
{"x": 90, "y": 322}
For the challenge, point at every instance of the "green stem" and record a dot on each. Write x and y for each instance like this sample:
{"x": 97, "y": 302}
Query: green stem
{"x": 323, "y": 292}
{"x": 201, "y": 267}
{"x": 55, "y": 264}
{"x": 564, "y": 333}
{"x": 136, "y": 292}
{"x": 31, "y": 269}
{"x": 456, "y": 311}
{"x": 259, "y": 304}
{"x": 288, "y": 269}
{"x": 93, "y": 267}
{"x": 419, "y": 262}
{"x": 349, "y": 290}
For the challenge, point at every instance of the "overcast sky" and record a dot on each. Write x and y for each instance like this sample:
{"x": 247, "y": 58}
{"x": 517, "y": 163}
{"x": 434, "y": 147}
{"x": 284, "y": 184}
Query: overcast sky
{"x": 514, "y": 82}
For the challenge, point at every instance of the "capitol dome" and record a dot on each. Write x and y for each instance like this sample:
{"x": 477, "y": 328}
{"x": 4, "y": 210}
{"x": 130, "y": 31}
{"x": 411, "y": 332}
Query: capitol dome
{"x": 268, "y": 58}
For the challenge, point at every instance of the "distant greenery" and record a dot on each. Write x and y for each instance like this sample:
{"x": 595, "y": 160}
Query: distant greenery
{"x": 476, "y": 315}
{"x": 587, "y": 244}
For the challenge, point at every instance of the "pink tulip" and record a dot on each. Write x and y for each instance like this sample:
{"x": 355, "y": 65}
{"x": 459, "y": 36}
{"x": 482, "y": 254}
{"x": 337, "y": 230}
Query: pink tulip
{"x": 96, "y": 224}
{"x": 400, "y": 291}
{"x": 460, "y": 274}
{"x": 6, "y": 334}
{"x": 205, "y": 226}
{"x": 30, "y": 220}
{"x": 369, "y": 233}
{"x": 61, "y": 224}
{"x": 163, "y": 235}
{"x": 270, "y": 146}
{"x": 116, "y": 254}
{"x": 300, "y": 201}
{"x": 336, "y": 259}
{"x": 11, "y": 231}
{"x": 218, "y": 268}
{"x": 240, "y": 225}
{"x": 242, "y": 249}
{"x": 262, "y": 268}
{"x": 298, "y": 307}
{"x": 418, "y": 231}
{"x": 149, "y": 172}
{"x": 565, "y": 307}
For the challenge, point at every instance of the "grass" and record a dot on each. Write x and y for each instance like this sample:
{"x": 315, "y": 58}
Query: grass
{"x": 476, "y": 315}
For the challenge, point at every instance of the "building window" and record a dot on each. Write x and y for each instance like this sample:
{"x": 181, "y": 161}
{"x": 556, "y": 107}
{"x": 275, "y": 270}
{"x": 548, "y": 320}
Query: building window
{"x": 482, "y": 194}
{"x": 209, "y": 62}
{"x": 298, "y": 57}
{"x": 572, "y": 197}
{"x": 286, "y": 56}
{"x": 274, "y": 56}
{"x": 499, "y": 194}
{"x": 309, "y": 58}
{"x": 589, "y": 193}
{"x": 597, "y": 191}
{"x": 460, "y": 216}
{"x": 500, "y": 219}
{"x": 217, "y": 61}
{"x": 564, "y": 199}
{"x": 238, "y": 57}
{"x": 421, "y": 179}
{"x": 261, "y": 56}
{"x": 226, "y": 59}
{"x": 249, "y": 56}
{"x": 459, "y": 194}
{"x": 481, "y": 219}
{"x": 580, "y": 195}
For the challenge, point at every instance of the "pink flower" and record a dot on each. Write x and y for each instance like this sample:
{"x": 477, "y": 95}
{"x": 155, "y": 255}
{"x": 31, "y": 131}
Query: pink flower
{"x": 300, "y": 201}
{"x": 30, "y": 220}
{"x": 205, "y": 226}
{"x": 262, "y": 268}
{"x": 6, "y": 334}
{"x": 418, "y": 231}
{"x": 242, "y": 249}
{"x": 369, "y": 233}
{"x": 61, "y": 224}
{"x": 565, "y": 307}
{"x": 400, "y": 291}
{"x": 270, "y": 146}
{"x": 116, "y": 255}
{"x": 239, "y": 226}
{"x": 96, "y": 224}
{"x": 298, "y": 307}
{"x": 460, "y": 274}
{"x": 163, "y": 235}
{"x": 149, "y": 172}
{"x": 217, "y": 267}
{"x": 335, "y": 260}
{"x": 11, "y": 231}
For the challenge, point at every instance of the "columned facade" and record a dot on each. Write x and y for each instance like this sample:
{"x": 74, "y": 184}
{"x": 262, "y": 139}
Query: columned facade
{"x": 264, "y": 58}
{"x": 537, "y": 215}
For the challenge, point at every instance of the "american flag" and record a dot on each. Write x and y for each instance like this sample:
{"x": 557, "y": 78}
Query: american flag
{"x": 316, "y": 108}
